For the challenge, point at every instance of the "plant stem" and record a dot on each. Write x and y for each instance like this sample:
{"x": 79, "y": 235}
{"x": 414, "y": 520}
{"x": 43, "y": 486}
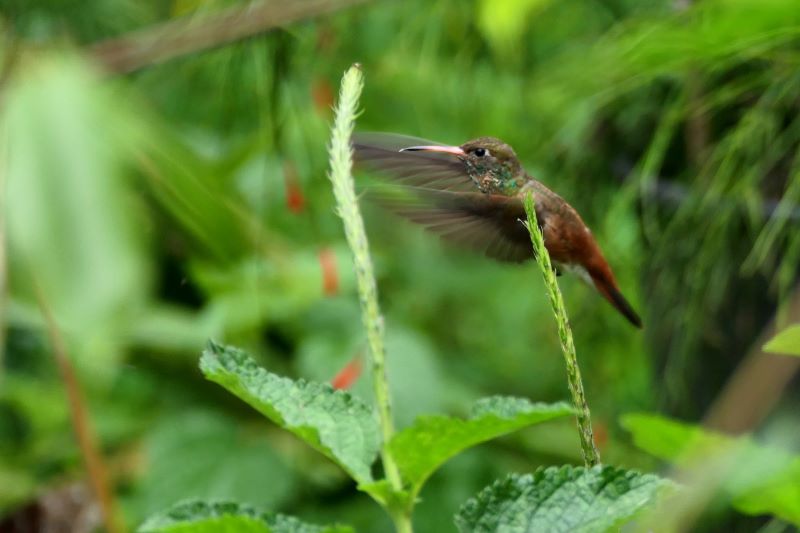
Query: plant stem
{"x": 192, "y": 34}
{"x": 81, "y": 422}
{"x": 4, "y": 152}
{"x": 402, "y": 521}
{"x": 590, "y": 455}
{"x": 341, "y": 176}
{"x": 10, "y": 55}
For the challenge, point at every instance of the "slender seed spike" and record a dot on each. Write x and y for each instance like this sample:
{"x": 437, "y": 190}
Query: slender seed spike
{"x": 590, "y": 454}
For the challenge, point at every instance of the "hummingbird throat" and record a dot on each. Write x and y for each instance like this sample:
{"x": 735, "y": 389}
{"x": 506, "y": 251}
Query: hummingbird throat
{"x": 497, "y": 178}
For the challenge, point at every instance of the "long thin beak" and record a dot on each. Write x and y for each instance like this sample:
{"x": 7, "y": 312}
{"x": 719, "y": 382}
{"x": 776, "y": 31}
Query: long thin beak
{"x": 453, "y": 150}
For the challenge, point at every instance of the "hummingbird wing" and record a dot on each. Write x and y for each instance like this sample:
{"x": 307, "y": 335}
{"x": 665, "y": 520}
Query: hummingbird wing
{"x": 435, "y": 190}
{"x": 380, "y": 152}
{"x": 487, "y": 223}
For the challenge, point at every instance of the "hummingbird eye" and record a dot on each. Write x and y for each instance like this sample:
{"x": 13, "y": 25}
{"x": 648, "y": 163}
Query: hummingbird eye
{"x": 480, "y": 152}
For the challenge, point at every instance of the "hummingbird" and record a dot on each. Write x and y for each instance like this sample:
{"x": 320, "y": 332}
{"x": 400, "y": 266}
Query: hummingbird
{"x": 472, "y": 195}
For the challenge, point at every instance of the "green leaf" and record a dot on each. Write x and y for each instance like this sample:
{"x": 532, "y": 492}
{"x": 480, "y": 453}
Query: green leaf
{"x": 769, "y": 484}
{"x": 74, "y": 230}
{"x": 228, "y": 517}
{"x": 786, "y": 342}
{"x": 190, "y": 190}
{"x": 569, "y": 498}
{"x": 336, "y": 423}
{"x": 424, "y": 446}
{"x": 195, "y": 463}
{"x": 503, "y": 22}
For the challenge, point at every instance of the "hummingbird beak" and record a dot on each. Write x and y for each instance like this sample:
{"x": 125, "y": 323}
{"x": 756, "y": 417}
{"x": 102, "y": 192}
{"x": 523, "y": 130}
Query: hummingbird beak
{"x": 452, "y": 150}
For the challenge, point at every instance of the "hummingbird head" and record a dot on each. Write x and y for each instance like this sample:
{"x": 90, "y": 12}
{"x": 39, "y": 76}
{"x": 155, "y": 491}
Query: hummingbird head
{"x": 489, "y": 162}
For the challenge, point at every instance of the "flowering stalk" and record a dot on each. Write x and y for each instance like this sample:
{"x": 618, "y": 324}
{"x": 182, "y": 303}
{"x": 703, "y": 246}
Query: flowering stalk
{"x": 341, "y": 160}
{"x": 590, "y": 455}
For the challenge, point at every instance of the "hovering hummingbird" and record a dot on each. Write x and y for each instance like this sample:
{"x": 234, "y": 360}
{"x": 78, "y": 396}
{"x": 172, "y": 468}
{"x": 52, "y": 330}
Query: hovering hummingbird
{"x": 473, "y": 195}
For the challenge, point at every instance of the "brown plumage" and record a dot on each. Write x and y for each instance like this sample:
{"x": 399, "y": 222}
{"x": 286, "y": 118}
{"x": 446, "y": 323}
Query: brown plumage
{"x": 472, "y": 195}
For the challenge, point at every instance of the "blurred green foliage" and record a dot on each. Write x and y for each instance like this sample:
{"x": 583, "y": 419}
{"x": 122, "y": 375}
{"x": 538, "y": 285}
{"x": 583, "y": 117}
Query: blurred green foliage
{"x": 785, "y": 342}
{"x": 768, "y": 484}
{"x": 189, "y": 200}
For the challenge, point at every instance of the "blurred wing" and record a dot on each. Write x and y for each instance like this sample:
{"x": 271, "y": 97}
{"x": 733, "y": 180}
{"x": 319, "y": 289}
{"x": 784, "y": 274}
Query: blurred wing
{"x": 489, "y": 224}
{"x": 380, "y": 152}
{"x": 435, "y": 190}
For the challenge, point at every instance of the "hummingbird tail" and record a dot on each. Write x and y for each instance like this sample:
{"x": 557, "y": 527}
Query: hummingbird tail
{"x": 608, "y": 288}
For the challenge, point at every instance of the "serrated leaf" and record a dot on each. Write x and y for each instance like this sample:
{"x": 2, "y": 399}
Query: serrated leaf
{"x": 769, "y": 484}
{"x": 228, "y": 517}
{"x": 786, "y": 342}
{"x": 335, "y": 423}
{"x": 569, "y": 499}
{"x": 431, "y": 440}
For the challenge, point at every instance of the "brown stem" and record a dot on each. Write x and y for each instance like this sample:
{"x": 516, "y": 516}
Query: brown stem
{"x": 8, "y": 62}
{"x": 188, "y": 35}
{"x": 3, "y": 256}
{"x": 758, "y": 382}
{"x": 84, "y": 432}
{"x": 697, "y": 122}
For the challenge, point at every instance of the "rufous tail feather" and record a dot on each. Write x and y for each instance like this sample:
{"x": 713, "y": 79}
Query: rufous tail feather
{"x": 606, "y": 286}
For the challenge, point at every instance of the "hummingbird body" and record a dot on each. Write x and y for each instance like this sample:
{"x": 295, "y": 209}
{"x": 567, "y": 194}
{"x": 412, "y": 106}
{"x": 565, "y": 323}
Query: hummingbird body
{"x": 473, "y": 195}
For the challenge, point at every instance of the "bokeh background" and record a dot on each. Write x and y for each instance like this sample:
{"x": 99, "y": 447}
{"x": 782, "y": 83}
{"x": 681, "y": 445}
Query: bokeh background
{"x": 164, "y": 182}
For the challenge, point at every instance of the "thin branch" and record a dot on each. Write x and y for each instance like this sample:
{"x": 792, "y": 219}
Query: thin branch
{"x": 8, "y": 62}
{"x": 189, "y": 35}
{"x": 84, "y": 432}
{"x": 759, "y": 381}
{"x": 3, "y": 255}
{"x": 698, "y": 128}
